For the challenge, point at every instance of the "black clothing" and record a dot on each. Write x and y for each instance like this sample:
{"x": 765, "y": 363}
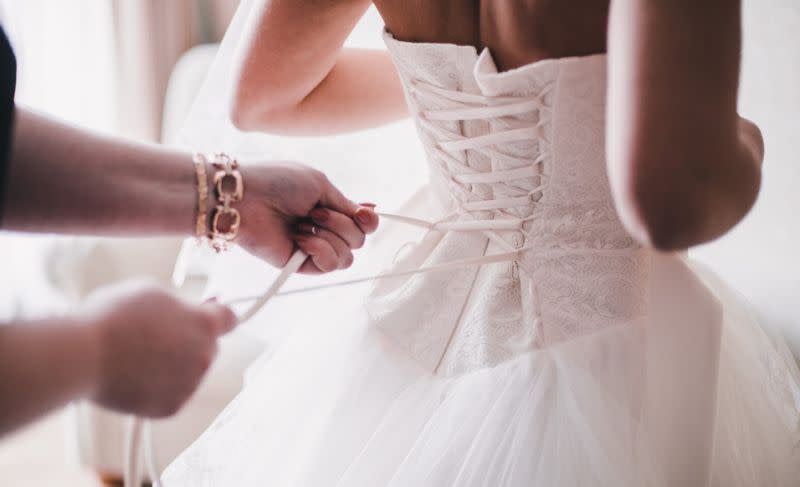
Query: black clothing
{"x": 8, "y": 85}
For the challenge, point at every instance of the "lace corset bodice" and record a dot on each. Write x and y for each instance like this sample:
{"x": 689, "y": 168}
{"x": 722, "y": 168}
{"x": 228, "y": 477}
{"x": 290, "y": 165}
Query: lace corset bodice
{"x": 516, "y": 162}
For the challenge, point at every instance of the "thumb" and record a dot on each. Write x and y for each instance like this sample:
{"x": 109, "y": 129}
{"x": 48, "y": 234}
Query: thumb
{"x": 222, "y": 316}
{"x": 364, "y": 215}
{"x": 332, "y": 198}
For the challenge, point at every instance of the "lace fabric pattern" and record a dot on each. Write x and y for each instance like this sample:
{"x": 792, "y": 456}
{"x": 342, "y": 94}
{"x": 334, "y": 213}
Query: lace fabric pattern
{"x": 520, "y": 155}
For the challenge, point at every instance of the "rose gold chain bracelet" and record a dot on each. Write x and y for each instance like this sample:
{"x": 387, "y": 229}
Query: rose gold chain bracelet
{"x": 223, "y": 227}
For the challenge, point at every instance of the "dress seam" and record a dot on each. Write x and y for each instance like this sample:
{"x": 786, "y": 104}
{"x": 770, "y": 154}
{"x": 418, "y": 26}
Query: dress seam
{"x": 460, "y": 313}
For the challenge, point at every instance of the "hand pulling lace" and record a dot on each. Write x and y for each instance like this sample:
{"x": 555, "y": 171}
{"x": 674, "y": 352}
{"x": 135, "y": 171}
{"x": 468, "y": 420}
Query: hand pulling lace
{"x": 139, "y": 431}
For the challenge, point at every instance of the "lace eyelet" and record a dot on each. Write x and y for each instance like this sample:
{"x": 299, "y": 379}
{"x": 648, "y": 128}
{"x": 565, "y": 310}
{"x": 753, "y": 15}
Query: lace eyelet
{"x": 518, "y": 239}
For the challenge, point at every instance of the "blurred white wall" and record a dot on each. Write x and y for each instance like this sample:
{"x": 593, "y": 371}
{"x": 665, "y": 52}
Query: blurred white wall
{"x": 761, "y": 256}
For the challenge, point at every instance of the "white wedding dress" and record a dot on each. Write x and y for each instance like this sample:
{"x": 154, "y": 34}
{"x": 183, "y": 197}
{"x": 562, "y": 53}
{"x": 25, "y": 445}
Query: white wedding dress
{"x": 575, "y": 358}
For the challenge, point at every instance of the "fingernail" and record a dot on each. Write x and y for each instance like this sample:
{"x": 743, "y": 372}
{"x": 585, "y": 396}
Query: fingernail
{"x": 320, "y": 215}
{"x": 364, "y": 216}
{"x": 368, "y": 205}
{"x": 212, "y": 299}
{"x": 305, "y": 228}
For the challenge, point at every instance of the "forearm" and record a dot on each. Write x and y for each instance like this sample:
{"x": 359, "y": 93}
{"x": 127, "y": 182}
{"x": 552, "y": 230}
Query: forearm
{"x": 680, "y": 166}
{"x": 68, "y": 180}
{"x": 43, "y": 366}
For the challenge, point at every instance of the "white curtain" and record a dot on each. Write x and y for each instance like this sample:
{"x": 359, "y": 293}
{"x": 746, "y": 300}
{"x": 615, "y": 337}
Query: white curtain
{"x": 104, "y": 64}
{"x": 150, "y": 36}
{"x": 65, "y": 54}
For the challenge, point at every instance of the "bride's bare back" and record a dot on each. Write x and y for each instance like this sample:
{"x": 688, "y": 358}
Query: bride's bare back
{"x": 517, "y": 32}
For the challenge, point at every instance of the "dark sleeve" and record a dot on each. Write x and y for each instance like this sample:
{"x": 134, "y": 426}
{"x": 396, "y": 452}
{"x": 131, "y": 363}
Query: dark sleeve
{"x": 8, "y": 84}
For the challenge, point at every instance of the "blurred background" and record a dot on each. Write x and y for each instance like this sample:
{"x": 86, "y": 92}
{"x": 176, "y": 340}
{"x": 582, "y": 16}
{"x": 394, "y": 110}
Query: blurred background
{"x": 102, "y": 64}
{"x": 105, "y": 65}
{"x": 134, "y": 67}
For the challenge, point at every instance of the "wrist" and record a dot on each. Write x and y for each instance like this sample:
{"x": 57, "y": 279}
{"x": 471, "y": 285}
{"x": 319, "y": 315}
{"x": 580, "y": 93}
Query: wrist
{"x": 219, "y": 189}
{"x": 91, "y": 337}
{"x": 157, "y": 194}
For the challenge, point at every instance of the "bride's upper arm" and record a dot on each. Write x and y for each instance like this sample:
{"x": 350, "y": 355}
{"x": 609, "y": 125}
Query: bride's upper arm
{"x": 287, "y": 49}
{"x": 672, "y": 93}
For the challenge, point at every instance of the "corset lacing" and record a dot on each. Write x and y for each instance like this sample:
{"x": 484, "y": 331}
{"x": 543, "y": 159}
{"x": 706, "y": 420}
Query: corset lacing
{"x": 473, "y": 211}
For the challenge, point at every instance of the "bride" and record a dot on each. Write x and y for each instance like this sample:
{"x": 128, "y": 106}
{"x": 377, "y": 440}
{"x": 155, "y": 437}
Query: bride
{"x": 562, "y": 337}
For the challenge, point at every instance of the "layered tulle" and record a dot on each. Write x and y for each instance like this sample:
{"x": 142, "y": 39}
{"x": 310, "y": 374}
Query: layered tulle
{"x": 338, "y": 405}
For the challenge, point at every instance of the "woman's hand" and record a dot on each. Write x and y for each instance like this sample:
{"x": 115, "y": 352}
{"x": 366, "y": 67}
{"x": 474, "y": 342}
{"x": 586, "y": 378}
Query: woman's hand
{"x": 151, "y": 348}
{"x": 149, "y": 190}
{"x": 133, "y": 348}
{"x": 288, "y": 205}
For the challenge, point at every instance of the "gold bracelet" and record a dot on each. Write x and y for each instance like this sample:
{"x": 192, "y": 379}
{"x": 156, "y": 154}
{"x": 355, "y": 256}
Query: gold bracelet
{"x": 229, "y": 189}
{"x": 201, "y": 224}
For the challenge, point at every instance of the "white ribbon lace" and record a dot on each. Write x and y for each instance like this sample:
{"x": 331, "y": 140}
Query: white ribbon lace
{"x": 473, "y": 212}
{"x": 471, "y": 206}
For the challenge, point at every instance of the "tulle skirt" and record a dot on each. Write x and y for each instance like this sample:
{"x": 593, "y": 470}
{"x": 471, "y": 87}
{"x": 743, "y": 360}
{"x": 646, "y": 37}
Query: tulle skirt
{"x": 337, "y": 404}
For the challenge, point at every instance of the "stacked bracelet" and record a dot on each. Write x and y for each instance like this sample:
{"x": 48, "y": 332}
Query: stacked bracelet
{"x": 201, "y": 224}
{"x": 223, "y": 226}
